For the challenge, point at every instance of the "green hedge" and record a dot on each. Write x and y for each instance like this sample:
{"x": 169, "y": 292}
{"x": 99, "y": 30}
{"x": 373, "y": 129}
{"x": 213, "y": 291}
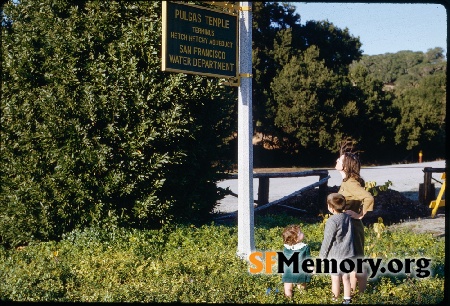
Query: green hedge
{"x": 93, "y": 132}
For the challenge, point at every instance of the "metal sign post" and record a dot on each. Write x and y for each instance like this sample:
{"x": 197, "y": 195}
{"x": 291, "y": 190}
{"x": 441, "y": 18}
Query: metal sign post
{"x": 246, "y": 243}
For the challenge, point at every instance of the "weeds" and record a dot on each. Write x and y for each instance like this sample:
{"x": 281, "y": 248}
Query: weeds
{"x": 190, "y": 264}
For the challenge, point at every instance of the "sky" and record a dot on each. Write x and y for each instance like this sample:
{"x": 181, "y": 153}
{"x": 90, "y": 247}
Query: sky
{"x": 384, "y": 27}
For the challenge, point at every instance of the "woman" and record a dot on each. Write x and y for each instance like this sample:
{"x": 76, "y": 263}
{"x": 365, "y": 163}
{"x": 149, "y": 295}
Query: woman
{"x": 359, "y": 202}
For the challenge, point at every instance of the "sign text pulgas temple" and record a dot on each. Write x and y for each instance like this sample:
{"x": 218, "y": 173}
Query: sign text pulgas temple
{"x": 199, "y": 40}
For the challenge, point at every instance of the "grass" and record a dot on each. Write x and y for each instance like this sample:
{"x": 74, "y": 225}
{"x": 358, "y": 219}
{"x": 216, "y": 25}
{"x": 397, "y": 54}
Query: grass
{"x": 190, "y": 264}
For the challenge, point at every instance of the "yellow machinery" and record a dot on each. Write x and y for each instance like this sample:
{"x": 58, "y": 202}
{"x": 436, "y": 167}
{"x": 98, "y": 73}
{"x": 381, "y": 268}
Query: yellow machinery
{"x": 434, "y": 205}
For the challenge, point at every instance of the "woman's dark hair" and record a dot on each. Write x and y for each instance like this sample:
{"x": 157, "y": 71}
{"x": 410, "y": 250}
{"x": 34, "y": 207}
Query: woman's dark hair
{"x": 352, "y": 166}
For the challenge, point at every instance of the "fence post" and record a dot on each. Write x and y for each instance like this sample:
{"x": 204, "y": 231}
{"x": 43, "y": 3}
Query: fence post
{"x": 263, "y": 191}
{"x": 426, "y": 190}
{"x": 323, "y": 190}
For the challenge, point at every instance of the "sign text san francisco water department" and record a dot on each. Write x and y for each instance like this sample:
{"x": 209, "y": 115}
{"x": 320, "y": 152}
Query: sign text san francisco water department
{"x": 199, "y": 40}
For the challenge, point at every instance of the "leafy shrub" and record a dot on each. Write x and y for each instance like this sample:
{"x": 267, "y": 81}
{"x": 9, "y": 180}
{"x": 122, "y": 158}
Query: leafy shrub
{"x": 93, "y": 131}
{"x": 373, "y": 188}
{"x": 191, "y": 264}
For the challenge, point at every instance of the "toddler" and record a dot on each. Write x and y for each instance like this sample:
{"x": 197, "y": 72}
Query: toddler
{"x": 292, "y": 238}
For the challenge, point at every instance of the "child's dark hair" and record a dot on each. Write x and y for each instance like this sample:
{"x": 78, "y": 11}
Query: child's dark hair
{"x": 336, "y": 201}
{"x": 290, "y": 234}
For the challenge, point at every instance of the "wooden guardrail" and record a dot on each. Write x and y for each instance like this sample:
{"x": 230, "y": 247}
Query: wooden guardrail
{"x": 264, "y": 183}
{"x": 264, "y": 186}
{"x": 427, "y": 190}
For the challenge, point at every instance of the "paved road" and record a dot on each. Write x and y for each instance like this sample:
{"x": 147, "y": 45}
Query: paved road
{"x": 404, "y": 178}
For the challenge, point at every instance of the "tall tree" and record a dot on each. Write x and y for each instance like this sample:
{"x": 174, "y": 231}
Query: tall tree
{"x": 417, "y": 82}
{"x": 268, "y": 19}
{"x": 317, "y": 108}
{"x": 307, "y": 95}
{"x": 374, "y": 127}
{"x": 338, "y": 48}
{"x": 278, "y": 37}
{"x": 423, "y": 114}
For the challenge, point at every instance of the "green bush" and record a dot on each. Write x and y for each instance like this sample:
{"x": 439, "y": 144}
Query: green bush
{"x": 93, "y": 131}
{"x": 191, "y": 264}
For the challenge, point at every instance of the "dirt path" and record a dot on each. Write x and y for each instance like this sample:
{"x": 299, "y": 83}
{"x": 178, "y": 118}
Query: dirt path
{"x": 434, "y": 226}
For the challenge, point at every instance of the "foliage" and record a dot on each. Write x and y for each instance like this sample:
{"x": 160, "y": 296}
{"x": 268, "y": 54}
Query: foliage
{"x": 374, "y": 126}
{"x": 406, "y": 65}
{"x": 423, "y": 113}
{"x": 417, "y": 81}
{"x": 269, "y": 18}
{"x": 302, "y": 101}
{"x": 338, "y": 47}
{"x": 380, "y": 101}
{"x": 373, "y": 188}
{"x": 93, "y": 131}
{"x": 278, "y": 37}
{"x": 317, "y": 108}
{"x": 379, "y": 227}
{"x": 191, "y": 264}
